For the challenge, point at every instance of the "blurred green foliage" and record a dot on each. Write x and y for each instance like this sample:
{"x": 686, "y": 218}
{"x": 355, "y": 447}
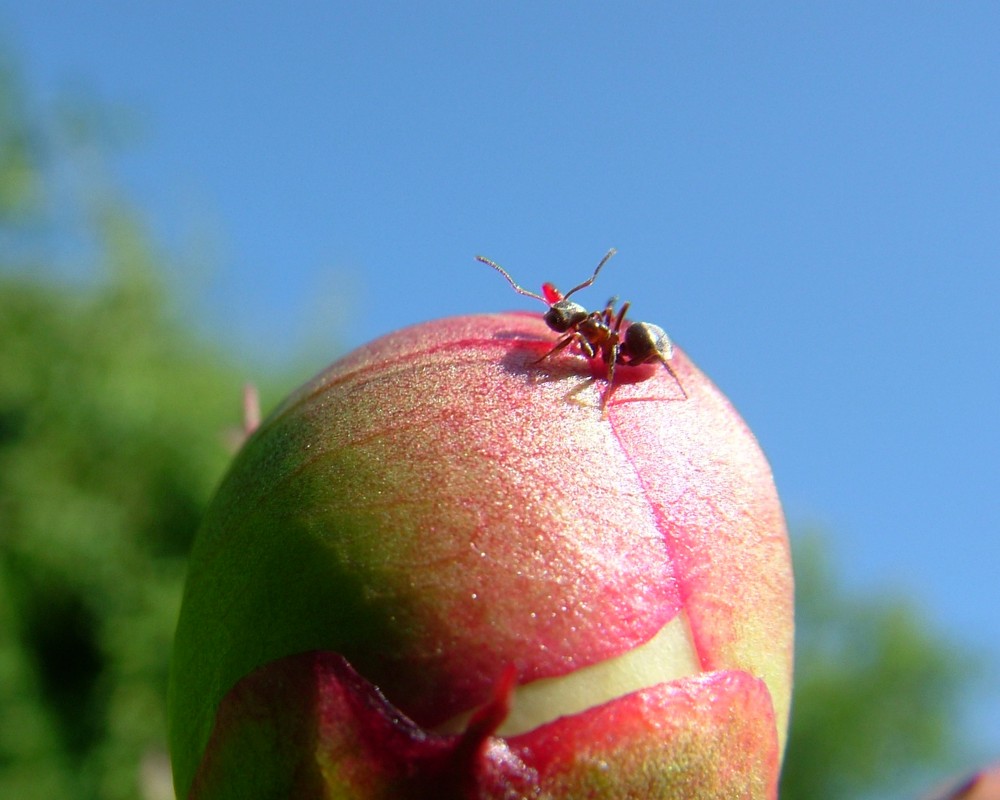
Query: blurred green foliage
{"x": 878, "y": 697}
{"x": 112, "y": 422}
{"x": 19, "y": 160}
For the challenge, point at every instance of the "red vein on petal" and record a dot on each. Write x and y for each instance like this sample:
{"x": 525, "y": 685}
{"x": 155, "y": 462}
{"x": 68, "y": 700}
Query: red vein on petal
{"x": 662, "y": 525}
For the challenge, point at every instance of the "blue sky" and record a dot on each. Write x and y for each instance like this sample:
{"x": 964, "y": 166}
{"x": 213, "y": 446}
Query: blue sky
{"x": 806, "y": 196}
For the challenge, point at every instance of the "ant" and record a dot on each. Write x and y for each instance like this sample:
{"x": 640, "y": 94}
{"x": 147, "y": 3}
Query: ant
{"x": 599, "y": 332}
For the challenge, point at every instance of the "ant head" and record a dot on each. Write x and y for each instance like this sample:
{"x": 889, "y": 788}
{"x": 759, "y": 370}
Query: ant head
{"x": 564, "y": 315}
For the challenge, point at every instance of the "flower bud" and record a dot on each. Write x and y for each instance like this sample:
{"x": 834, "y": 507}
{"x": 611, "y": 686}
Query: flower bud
{"x": 439, "y": 569}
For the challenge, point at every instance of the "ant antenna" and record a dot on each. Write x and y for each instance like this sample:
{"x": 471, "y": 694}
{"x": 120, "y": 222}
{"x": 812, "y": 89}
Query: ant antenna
{"x": 593, "y": 277}
{"x": 510, "y": 280}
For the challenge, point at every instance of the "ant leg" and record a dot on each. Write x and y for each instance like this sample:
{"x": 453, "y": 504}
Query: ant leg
{"x": 674, "y": 376}
{"x": 621, "y": 316}
{"x": 609, "y": 310}
{"x": 560, "y": 345}
{"x": 611, "y": 355}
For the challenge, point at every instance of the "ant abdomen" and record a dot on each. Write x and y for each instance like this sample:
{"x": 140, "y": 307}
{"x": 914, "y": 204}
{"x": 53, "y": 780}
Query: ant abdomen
{"x": 644, "y": 342}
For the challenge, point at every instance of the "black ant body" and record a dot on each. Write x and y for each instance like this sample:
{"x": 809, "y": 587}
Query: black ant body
{"x": 603, "y": 333}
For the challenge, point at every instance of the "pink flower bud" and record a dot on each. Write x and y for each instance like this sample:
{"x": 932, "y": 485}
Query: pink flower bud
{"x": 984, "y": 784}
{"x": 438, "y": 569}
